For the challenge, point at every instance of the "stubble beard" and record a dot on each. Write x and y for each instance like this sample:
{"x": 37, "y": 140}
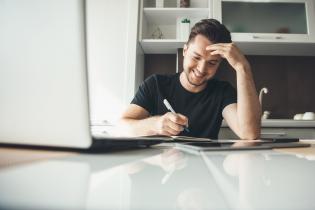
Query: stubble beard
{"x": 191, "y": 82}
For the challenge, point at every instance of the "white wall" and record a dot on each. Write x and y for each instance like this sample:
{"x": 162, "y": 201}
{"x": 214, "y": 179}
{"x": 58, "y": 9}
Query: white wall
{"x": 112, "y": 54}
{"x": 135, "y": 56}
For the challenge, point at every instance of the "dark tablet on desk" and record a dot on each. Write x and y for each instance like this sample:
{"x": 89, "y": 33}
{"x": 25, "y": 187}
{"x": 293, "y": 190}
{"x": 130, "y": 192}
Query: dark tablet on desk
{"x": 240, "y": 145}
{"x": 281, "y": 140}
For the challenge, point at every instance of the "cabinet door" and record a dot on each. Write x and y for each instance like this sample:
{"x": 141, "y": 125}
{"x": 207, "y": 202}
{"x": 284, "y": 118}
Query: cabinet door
{"x": 278, "y": 20}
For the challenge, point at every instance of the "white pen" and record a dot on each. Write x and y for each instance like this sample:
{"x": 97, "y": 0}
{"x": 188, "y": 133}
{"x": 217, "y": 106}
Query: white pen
{"x": 170, "y": 108}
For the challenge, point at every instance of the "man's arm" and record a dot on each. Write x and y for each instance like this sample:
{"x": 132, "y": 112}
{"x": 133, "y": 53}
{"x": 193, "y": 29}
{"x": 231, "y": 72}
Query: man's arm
{"x": 136, "y": 121}
{"x": 244, "y": 118}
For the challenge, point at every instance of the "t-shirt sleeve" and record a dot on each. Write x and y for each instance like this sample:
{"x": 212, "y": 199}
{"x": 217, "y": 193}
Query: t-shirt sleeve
{"x": 229, "y": 95}
{"x": 145, "y": 96}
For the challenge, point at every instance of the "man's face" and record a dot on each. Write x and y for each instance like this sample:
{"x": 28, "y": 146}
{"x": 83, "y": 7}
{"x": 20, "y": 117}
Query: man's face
{"x": 199, "y": 66}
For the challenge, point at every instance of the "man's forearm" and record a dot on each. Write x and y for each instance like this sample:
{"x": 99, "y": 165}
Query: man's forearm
{"x": 137, "y": 127}
{"x": 248, "y": 106}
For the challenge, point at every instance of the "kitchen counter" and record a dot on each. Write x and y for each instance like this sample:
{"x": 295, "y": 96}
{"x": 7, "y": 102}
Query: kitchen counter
{"x": 289, "y": 123}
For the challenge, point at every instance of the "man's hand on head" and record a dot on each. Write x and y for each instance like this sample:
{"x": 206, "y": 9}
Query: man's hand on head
{"x": 231, "y": 53}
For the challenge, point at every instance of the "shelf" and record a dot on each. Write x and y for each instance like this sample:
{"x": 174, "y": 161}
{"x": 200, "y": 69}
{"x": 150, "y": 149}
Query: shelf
{"x": 161, "y": 46}
{"x": 168, "y": 16}
{"x": 276, "y": 48}
{"x": 170, "y": 46}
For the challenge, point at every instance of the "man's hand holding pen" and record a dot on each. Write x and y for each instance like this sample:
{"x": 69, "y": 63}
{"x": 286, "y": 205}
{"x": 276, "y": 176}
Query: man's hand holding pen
{"x": 171, "y": 124}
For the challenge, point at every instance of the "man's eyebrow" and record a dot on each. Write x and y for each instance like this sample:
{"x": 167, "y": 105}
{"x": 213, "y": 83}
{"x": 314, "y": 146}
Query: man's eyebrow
{"x": 196, "y": 53}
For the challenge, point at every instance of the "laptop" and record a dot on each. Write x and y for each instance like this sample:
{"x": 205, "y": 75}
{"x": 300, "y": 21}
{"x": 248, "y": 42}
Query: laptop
{"x": 44, "y": 97}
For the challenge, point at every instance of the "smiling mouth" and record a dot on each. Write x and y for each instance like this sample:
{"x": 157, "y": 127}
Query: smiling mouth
{"x": 198, "y": 74}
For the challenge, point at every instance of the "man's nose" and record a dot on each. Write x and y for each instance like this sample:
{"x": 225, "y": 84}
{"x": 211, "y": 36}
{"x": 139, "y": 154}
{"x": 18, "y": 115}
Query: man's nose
{"x": 202, "y": 66}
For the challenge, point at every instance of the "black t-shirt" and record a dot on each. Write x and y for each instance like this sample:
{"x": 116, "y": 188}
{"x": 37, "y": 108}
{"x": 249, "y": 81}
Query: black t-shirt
{"x": 203, "y": 109}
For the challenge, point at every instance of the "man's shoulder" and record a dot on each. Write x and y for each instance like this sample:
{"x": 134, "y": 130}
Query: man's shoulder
{"x": 162, "y": 78}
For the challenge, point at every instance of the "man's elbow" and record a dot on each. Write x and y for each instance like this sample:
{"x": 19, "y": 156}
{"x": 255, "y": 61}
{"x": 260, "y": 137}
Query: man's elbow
{"x": 250, "y": 134}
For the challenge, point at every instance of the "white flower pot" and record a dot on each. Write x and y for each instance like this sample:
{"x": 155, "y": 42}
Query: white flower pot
{"x": 184, "y": 31}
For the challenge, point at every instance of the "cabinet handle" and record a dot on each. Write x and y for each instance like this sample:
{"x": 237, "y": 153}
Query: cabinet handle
{"x": 267, "y": 37}
{"x": 274, "y": 133}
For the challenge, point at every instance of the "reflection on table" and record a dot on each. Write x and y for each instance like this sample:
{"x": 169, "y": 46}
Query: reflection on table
{"x": 166, "y": 179}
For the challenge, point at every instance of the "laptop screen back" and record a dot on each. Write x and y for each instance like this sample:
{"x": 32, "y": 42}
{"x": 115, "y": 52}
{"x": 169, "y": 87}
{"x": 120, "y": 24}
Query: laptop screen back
{"x": 43, "y": 81}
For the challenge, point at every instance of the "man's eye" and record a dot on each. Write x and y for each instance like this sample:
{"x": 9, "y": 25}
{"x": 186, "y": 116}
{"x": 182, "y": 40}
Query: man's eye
{"x": 212, "y": 63}
{"x": 196, "y": 58}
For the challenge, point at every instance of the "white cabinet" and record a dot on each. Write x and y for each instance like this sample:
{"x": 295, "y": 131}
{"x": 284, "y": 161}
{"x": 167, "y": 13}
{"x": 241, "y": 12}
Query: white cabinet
{"x": 277, "y": 128}
{"x": 159, "y": 27}
{"x": 272, "y": 132}
{"x": 284, "y": 27}
{"x": 259, "y": 27}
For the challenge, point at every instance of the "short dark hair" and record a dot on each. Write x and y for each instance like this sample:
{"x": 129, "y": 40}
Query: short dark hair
{"x": 212, "y": 29}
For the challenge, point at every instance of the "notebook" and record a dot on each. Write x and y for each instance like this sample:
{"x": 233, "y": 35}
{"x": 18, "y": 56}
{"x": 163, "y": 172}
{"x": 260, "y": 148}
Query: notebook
{"x": 175, "y": 139}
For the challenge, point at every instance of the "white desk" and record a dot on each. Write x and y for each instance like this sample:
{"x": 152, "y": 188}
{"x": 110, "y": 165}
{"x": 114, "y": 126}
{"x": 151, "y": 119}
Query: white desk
{"x": 161, "y": 178}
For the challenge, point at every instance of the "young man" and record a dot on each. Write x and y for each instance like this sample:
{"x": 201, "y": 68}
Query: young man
{"x": 200, "y": 101}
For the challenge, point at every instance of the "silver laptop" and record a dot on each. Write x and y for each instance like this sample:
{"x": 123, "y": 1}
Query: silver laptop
{"x": 43, "y": 76}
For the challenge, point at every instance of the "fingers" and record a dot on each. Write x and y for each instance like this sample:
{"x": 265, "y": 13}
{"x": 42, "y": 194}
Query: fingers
{"x": 169, "y": 131}
{"x": 218, "y": 49}
{"x": 222, "y": 53}
{"x": 172, "y": 124}
{"x": 175, "y": 123}
{"x": 231, "y": 53}
{"x": 178, "y": 118}
{"x": 215, "y": 46}
{"x": 221, "y": 48}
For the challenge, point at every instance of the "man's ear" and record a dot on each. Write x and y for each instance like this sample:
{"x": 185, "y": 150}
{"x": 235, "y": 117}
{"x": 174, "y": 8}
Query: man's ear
{"x": 185, "y": 49}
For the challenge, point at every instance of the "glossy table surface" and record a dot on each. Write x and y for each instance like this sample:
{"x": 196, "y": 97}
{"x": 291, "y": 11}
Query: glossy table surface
{"x": 163, "y": 177}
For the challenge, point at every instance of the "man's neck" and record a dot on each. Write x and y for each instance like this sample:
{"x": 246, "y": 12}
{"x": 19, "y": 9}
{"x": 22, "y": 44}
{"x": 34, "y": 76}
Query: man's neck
{"x": 190, "y": 87}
